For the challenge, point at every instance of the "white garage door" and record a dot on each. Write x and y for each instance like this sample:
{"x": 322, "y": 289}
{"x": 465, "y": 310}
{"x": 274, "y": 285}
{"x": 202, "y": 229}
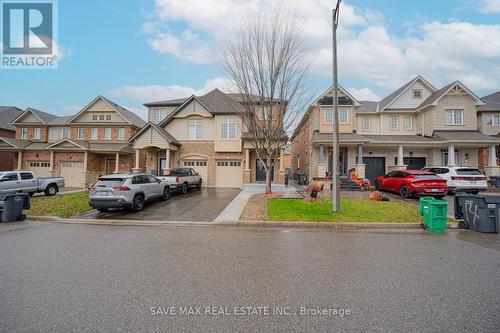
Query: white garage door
{"x": 40, "y": 168}
{"x": 72, "y": 173}
{"x": 228, "y": 174}
{"x": 200, "y": 166}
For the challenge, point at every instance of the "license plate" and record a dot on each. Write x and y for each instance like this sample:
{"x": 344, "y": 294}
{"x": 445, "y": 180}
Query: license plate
{"x": 435, "y": 190}
{"x": 103, "y": 194}
{"x": 473, "y": 182}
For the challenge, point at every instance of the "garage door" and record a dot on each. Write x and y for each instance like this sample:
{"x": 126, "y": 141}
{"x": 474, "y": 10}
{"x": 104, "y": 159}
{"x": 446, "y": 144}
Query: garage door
{"x": 228, "y": 174}
{"x": 375, "y": 166}
{"x": 199, "y": 166}
{"x": 72, "y": 173}
{"x": 40, "y": 168}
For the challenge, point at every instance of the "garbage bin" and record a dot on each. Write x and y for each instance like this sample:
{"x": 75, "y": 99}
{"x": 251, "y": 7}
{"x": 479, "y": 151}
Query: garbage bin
{"x": 495, "y": 181}
{"x": 12, "y": 207}
{"x": 479, "y": 212}
{"x": 302, "y": 178}
{"x": 435, "y": 213}
{"x": 423, "y": 201}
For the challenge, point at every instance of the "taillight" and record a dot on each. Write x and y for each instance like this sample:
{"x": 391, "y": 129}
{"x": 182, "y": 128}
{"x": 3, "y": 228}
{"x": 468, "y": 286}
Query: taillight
{"x": 121, "y": 188}
{"x": 177, "y": 179}
{"x": 481, "y": 178}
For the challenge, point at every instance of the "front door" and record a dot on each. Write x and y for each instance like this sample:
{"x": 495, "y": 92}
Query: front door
{"x": 342, "y": 161}
{"x": 415, "y": 163}
{"x": 162, "y": 164}
{"x": 110, "y": 166}
{"x": 375, "y": 166}
{"x": 260, "y": 172}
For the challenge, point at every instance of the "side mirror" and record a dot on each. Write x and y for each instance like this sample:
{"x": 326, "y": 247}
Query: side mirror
{"x": 159, "y": 181}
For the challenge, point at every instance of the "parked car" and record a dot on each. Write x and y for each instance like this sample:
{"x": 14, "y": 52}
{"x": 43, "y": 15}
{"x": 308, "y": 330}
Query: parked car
{"x": 28, "y": 182}
{"x": 181, "y": 179}
{"x": 413, "y": 183}
{"x": 127, "y": 191}
{"x": 461, "y": 179}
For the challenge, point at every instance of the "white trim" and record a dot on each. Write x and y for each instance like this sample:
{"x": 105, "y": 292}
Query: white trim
{"x": 418, "y": 78}
{"x": 25, "y": 111}
{"x": 64, "y": 140}
{"x": 90, "y": 104}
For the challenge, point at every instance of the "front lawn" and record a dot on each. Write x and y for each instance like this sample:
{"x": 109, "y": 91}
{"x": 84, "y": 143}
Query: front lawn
{"x": 352, "y": 210}
{"x": 66, "y": 205}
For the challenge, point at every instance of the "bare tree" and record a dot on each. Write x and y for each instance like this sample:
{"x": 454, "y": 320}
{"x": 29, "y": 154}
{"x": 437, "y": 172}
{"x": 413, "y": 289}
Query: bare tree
{"x": 267, "y": 64}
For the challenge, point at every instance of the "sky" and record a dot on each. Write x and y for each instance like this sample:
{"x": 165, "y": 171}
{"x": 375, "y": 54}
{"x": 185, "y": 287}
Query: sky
{"x": 140, "y": 51}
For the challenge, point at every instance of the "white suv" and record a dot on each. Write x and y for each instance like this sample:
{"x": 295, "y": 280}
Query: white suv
{"x": 461, "y": 179}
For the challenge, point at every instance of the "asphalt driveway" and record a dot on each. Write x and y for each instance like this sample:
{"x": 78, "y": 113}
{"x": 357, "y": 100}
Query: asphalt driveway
{"x": 197, "y": 205}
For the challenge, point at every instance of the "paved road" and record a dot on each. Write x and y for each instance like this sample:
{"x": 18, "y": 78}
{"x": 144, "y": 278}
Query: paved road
{"x": 59, "y": 278}
{"x": 197, "y": 205}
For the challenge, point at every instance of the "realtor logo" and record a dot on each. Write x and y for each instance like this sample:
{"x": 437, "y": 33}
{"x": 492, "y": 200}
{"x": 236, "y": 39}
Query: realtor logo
{"x": 29, "y": 34}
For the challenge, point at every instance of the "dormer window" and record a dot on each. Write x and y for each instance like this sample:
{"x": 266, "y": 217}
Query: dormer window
{"x": 94, "y": 117}
{"x": 108, "y": 117}
{"x": 101, "y": 117}
{"x": 417, "y": 93}
{"x": 24, "y": 133}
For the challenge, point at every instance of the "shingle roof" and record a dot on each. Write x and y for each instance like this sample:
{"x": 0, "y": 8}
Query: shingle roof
{"x": 367, "y": 107}
{"x": 128, "y": 115}
{"x": 219, "y": 103}
{"x": 7, "y": 115}
{"x": 171, "y": 102}
{"x": 492, "y": 102}
{"x": 399, "y": 138}
{"x": 344, "y": 137}
{"x": 465, "y": 136}
{"x": 44, "y": 116}
{"x": 387, "y": 100}
{"x": 435, "y": 95}
{"x": 60, "y": 120}
{"x": 165, "y": 133}
{"x": 16, "y": 143}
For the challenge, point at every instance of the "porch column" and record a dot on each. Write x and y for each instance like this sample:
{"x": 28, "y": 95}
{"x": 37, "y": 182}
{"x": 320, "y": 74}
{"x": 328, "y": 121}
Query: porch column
{"x": 322, "y": 168}
{"x": 400, "y": 156}
{"x": 19, "y": 160}
{"x": 492, "y": 169}
{"x": 321, "y": 153}
{"x": 451, "y": 155}
{"x": 86, "y": 177}
{"x": 166, "y": 170}
{"x": 360, "y": 166}
{"x": 282, "y": 155}
{"x": 52, "y": 171}
{"x": 247, "y": 159}
{"x": 137, "y": 168}
{"x": 117, "y": 163}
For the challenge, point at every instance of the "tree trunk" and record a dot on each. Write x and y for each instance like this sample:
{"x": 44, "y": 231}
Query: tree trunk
{"x": 268, "y": 180}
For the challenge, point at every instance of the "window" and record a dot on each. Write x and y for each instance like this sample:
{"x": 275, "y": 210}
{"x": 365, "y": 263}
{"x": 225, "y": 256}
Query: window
{"x": 229, "y": 163}
{"x": 454, "y": 117}
{"x": 108, "y": 117}
{"x": 36, "y": 133}
{"x": 24, "y": 133}
{"x": 94, "y": 117}
{"x": 329, "y": 116}
{"x": 121, "y": 133}
{"x": 80, "y": 133}
{"x": 39, "y": 164}
{"x": 228, "y": 129}
{"x": 65, "y": 133}
{"x": 195, "y": 163}
{"x": 101, "y": 117}
{"x": 107, "y": 134}
{"x": 394, "y": 122}
{"x": 195, "y": 129}
{"x": 444, "y": 157}
{"x": 408, "y": 122}
{"x": 298, "y": 161}
{"x": 10, "y": 177}
{"x": 343, "y": 116}
{"x": 417, "y": 93}
{"x": 366, "y": 123}
{"x": 158, "y": 115}
{"x": 53, "y": 133}
{"x": 493, "y": 120}
{"x": 265, "y": 113}
{"x": 93, "y": 133}
{"x": 26, "y": 175}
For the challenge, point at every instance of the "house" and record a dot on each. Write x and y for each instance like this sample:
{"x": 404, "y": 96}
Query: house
{"x": 205, "y": 133}
{"x": 414, "y": 126}
{"x": 80, "y": 147}
{"x": 489, "y": 122}
{"x": 7, "y": 115}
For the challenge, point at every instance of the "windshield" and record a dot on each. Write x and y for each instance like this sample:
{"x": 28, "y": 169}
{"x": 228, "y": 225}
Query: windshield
{"x": 109, "y": 182}
{"x": 427, "y": 177}
{"x": 469, "y": 172}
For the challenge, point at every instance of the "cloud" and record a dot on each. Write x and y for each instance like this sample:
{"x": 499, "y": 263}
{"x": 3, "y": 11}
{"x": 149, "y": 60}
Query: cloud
{"x": 488, "y": 6}
{"x": 71, "y": 110}
{"x": 150, "y": 93}
{"x": 364, "y": 94}
{"x": 141, "y": 112}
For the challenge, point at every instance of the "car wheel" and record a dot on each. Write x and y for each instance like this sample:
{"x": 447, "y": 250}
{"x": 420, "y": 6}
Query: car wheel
{"x": 102, "y": 210}
{"x": 184, "y": 188}
{"x": 31, "y": 194}
{"x": 405, "y": 192}
{"x": 377, "y": 185}
{"x": 475, "y": 192}
{"x": 166, "y": 194}
{"x": 198, "y": 186}
{"x": 138, "y": 204}
{"x": 51, "y": 190}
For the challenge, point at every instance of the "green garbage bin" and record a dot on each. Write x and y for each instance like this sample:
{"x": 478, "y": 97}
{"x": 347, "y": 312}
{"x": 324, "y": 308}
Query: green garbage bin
{"x": 435, "y": 213}
{"x": 423, "y": 202}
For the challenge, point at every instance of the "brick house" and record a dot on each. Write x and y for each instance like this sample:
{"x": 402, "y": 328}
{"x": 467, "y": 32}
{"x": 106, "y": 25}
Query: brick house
{"x": 7, "y": 115}
{"x": 204, "y": 133}
{"x": 489, "y": 123}
{"x": 415, "y": 126}
{"x": 79, "y": 147}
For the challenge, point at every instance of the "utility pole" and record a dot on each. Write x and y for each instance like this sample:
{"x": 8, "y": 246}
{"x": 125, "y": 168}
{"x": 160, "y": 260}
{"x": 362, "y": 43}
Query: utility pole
{"x": 336, "y": 151}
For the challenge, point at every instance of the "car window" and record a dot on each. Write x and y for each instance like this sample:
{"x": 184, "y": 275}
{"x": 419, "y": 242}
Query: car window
{"x": 10, "y": 177}
{"x": 391, "y": 174}
{"x": 143, "y": 179}
{"x": 152, "y": 179}
{"x": 109, "y": 182}
{"x": 26, "y": 175}
{"x": 180, "y": 172}
{"x": 469, "y": 172}
{"x": 443, "y": 171}
{"x": 427, "y": 177}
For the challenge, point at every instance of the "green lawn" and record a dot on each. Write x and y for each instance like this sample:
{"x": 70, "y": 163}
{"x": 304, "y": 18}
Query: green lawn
{"x": 60, "y": 205}
{"x": 352, "y": 210}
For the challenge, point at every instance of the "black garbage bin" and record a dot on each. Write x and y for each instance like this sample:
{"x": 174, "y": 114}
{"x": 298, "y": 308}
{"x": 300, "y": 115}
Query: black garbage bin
{"x": 301, "y": 178}
{"x": 12, "y": 206}
{"x": 495, "y": 181}
{"x": 480, "y": 212}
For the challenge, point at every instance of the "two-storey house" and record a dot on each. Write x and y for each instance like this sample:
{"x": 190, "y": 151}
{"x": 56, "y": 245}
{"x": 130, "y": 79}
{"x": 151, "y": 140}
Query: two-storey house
{"x": 205, "y": 133}
{"x": 415, "y": 126}
{"x": 7, "y": 115}
{"x": 79, "y": 147}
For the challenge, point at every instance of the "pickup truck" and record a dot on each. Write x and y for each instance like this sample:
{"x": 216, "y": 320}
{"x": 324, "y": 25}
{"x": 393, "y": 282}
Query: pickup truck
{"x": 28, "y": 182}
{"x": 181, "y": 179}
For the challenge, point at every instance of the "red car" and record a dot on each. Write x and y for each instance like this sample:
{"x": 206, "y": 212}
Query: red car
{"x": 413, "y": 183}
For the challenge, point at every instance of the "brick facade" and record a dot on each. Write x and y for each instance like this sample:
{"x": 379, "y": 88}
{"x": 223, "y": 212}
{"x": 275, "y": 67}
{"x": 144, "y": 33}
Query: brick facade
{"x": 7, "y": 159}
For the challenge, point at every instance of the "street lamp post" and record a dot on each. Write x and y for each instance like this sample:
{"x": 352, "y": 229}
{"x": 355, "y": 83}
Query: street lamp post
{"x": 335, "y": 162}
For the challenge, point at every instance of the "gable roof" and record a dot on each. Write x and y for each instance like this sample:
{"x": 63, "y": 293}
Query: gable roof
{"x": 492, "y": 102}
{"x": 44, "y": 117}
{"x": 15, "y": 143}
{"x": 171, "y": 102}
{"x": 129, "y": 116}
{"x": 437, "y": 95}
{"x": 384, "y": 103}
{"x": 7, "y": 115}
{"x": 77, "y": 143}
{"x": 342, "y": 89}
{"x": 167, "y": 136}
{"x": 367, "y": 107}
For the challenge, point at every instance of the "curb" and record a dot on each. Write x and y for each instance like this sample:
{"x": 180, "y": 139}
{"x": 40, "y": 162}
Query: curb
{"x": 283, "y": 224}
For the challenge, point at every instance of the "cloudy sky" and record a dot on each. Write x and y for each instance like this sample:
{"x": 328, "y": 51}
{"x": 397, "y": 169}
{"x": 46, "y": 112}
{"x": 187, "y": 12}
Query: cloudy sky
{"x": 139, "y": 51}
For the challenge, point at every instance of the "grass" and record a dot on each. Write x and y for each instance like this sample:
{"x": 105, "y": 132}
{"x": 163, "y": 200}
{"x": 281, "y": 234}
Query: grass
{"x": 66, "y": 205}
{"x": 352, "y": 210}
